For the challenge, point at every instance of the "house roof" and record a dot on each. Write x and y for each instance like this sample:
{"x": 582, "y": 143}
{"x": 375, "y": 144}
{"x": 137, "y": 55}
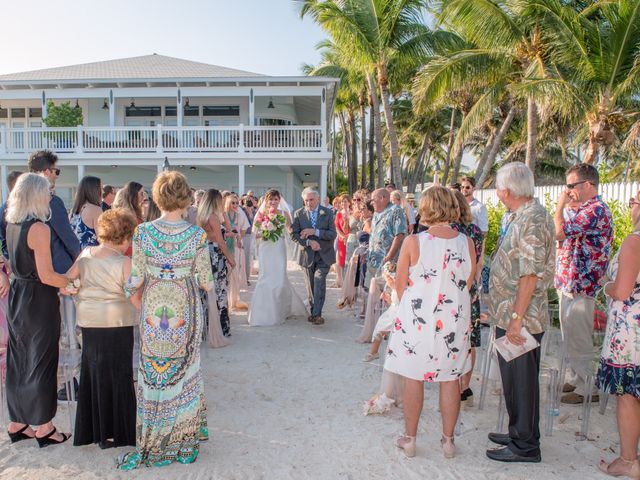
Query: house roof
{"x": 146, "y": 67}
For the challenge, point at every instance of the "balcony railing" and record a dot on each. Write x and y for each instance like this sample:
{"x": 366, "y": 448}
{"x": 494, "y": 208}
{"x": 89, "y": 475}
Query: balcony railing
{"x": 237, "y": 139}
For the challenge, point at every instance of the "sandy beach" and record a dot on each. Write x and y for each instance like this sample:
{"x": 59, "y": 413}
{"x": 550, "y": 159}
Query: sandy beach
{"x": 285, "y": 402}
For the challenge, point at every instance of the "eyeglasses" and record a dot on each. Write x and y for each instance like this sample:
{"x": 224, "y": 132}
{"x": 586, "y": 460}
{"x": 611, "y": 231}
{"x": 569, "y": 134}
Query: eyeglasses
{"x": 466, "y": 187}
{"x": 571, "y": 186}
{"x": 55, "y": 170}
{"x": 633, "y": 201}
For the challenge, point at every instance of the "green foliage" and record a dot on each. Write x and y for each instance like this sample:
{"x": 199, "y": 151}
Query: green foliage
{"x": 342, "y": 185}
{"x": 622, "y": 224}
{"x": 496, "y": 212}
{"x": 63, "y": 115}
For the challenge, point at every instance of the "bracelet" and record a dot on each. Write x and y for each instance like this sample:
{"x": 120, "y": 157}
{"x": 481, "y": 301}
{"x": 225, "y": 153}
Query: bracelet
{"x": 604, "y": 287}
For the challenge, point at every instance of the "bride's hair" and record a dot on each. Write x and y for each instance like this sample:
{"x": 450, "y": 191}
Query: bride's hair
{"x": 273, "y": 193}
{"x": 211, "y": 203}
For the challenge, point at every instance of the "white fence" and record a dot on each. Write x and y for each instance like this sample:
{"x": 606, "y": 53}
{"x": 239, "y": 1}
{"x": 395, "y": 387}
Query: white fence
{"x": 163, "y": 139}
{"x": 609, "y": 191}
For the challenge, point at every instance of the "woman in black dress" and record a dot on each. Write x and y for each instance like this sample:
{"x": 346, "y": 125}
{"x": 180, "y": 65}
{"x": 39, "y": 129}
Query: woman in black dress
{"x": 33, "y": 315}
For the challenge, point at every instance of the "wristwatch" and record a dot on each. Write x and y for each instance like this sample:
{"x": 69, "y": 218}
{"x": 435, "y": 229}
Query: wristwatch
{"x": 515, "y": 316}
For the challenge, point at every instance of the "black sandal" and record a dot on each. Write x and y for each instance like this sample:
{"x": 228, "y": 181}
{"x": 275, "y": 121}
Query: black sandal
{"x": 47, "y": 440}
{"x": 19, "y": 435}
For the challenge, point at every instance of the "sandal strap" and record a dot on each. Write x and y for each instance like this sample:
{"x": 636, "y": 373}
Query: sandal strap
{"x": 50, "y": 434}
{"x": 628, "y": 462}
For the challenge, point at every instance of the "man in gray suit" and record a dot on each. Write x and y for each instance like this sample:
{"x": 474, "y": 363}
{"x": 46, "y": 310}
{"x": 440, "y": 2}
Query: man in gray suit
{"x": 314, "y": 230}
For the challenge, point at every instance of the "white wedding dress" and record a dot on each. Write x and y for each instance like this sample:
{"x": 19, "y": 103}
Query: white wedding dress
{"x": 274, "y": 299}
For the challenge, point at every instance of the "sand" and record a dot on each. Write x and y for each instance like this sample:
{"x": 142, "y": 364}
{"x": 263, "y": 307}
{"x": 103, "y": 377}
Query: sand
{"x": 285, "y": 402}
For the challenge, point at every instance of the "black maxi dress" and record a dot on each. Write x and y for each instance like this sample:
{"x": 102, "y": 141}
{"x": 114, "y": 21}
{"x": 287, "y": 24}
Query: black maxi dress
{"x": 33, "y": 318}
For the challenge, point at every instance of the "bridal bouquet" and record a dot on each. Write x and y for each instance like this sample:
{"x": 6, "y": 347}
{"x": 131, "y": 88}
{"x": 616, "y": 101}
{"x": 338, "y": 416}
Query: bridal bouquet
{"x": 270, "y": 225}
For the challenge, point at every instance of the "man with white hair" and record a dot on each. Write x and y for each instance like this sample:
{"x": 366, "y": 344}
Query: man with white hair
{"x": 521, "y": 273}
{"x": 314, "y": 229}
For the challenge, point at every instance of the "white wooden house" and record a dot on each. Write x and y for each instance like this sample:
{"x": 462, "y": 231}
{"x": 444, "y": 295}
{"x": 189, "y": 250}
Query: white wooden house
{"x": 222, "y": 127}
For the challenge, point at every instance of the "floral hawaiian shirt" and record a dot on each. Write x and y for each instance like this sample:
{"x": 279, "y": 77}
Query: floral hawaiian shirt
{"x": 528, "y": 248}
{"x": 584, "y": 255}
{"x": 385, "y": 226}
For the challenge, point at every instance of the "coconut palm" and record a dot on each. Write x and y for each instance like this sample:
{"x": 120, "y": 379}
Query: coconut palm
{"x": 379, "y": 33}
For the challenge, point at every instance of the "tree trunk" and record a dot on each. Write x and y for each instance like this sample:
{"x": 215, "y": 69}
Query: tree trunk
{"x": 378, "y": 130}
{"x": 452, "y": 136}
{"x": 334, "y": 185}
{"x": 532, "y": 134}
{"x": 372, "y": 166}
{"x": 396, "y": 169}
{"x": 363, "y": 142}
{"x": 353, "y": 165}
{"x": 346, "y": 145}
{"x": 485, "y": 153}
{"x": 420, "y": 165}
{"x": 491, "y": 158}
{"x": 456, "y": 165}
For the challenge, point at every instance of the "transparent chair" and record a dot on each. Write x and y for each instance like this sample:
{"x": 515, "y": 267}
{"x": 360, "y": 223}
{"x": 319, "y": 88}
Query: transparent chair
{"x": 69, "y": 358}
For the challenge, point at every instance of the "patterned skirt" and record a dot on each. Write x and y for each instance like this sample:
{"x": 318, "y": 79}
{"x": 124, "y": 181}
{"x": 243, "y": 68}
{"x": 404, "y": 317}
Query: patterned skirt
{"x": 618, "y": 379}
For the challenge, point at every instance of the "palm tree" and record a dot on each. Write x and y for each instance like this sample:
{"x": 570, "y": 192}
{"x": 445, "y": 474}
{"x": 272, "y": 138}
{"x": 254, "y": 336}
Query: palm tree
{"x": 380, "y": 34}
{"x": 597, "y": 48}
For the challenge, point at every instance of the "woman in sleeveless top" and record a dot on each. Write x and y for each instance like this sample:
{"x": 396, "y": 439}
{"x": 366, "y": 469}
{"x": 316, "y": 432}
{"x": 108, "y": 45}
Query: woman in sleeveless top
{"x": 86, "y": 210}
{"x": 209, "y": 218}
{"x": 106, "y": 398}
{"x": 430, "y": 339}
{"x": 619, "y": 372}
{"x": 33, "y": 315}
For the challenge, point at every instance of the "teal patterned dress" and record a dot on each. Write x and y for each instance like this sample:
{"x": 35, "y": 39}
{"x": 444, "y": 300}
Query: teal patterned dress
{"x": 170, "y": 263}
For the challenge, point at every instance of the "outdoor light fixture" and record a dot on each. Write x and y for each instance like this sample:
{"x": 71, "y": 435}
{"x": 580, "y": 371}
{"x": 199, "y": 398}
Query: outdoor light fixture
{"x": 105, "y": 106}
{"x": 271, "y": 105}
{"x": 133, "y": 103}
{"x": 192, "y": 167}
{"x": 186, "y": 102}
{"x": 77, "y": 104}
{"x": 307, "y": 174}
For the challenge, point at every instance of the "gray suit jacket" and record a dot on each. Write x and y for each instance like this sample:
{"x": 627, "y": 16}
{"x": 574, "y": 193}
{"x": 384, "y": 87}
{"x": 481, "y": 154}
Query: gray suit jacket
{"x": 327, "y": 229}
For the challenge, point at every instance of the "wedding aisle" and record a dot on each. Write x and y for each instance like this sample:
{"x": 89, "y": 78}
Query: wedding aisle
{"x": 285, "y": 402}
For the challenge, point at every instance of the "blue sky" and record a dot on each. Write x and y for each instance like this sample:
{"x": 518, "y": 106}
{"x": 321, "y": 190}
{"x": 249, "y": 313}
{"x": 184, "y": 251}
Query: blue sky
{"x": 261, "y": 36}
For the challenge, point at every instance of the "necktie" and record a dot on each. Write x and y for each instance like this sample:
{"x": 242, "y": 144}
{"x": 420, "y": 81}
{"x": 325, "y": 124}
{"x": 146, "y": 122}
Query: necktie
{"x": 314, "y": 219}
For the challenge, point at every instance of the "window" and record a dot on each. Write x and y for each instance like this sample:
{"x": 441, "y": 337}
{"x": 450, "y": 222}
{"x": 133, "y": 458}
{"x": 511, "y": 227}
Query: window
{"x": 4, "y": 113}
{"x": 143, "y": 112}
{"x": 35, "y": 113}
{"x": 170, "y": 111}
{"x": 192, "y": 111}
{"x": 17, "y": 113}
{"x": 221, "y": 111}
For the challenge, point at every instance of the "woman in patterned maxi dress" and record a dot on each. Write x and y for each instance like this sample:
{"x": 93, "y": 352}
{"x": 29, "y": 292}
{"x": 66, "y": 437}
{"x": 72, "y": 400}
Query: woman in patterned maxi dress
{"x": 170, "y": 262}
{"x": 430, "y": 340}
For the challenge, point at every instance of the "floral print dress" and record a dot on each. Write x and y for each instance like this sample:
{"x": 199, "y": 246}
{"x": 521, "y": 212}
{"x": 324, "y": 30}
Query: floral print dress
{"x": 170, "y": 263}
{"x": 619, "y": 371}
{"x": 430, "y": 339}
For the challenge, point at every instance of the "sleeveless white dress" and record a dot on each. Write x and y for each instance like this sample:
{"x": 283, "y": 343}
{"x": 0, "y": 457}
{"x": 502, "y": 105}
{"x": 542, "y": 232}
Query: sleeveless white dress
{"x": 274, "y": 299}
{"x": 431, "y": 334}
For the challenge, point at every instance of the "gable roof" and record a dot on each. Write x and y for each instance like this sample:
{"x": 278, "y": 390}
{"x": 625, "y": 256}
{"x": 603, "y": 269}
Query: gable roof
{"x": 147, "y": 67}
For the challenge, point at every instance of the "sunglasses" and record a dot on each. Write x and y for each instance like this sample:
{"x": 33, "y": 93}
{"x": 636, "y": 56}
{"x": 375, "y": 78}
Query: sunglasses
{"x": 633, "y": 201}
{"x": 571, "y": 186}
{"x": 57, "y": 171}
{"x": 467, "y": 187}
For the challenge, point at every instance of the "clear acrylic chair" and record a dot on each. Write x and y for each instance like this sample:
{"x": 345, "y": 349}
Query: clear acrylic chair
{"x": 69, "y": 358}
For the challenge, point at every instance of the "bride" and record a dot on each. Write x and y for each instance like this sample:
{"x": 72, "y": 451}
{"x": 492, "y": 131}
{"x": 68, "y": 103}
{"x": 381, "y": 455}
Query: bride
{"x": 274, "y": 299}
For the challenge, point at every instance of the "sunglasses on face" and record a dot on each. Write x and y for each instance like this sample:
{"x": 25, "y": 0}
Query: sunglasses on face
{"x": 55, "y": 170}
{"x": 466, "y": 187}
{"x": 571, "y": 186}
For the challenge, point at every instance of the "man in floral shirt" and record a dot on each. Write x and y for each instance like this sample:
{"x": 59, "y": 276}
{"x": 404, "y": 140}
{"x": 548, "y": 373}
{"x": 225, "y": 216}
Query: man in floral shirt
{"x": 582, "y": 260}
{"x": 521, "y": 272}
{"x": 388, "y": 228}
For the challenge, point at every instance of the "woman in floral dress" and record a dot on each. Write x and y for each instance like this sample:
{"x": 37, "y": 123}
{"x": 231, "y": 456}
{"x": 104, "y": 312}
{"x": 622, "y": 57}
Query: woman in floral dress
{"x": 170, "y": 262}
{"x": 619, "y": 372}
{"x": 430, "y": 339}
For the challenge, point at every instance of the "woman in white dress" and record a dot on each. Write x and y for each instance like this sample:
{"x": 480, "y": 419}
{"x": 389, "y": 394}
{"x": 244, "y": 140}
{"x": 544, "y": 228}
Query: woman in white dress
{"x": 274, "y": 299}
{"x": 430, "y": 340}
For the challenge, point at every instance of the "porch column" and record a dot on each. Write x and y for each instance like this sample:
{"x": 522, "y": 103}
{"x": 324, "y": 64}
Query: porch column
{"x": 252, "y": 109}
{"x": 179, "y": 110}
{"x": 240, "y": 180}
{"x": 112, "y": 109}
{"x": 3, "y": 179}
{"x": 323, "y": 119}
{"x": 289, "y": 187}
{"x": 45, "y": 107}
{"x": 323, "y": 181}
{"x": 80, "y": 172}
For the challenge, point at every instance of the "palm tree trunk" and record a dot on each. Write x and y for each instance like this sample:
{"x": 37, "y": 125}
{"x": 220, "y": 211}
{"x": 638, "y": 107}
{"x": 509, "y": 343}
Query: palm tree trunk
{"x": 353, "y": 171}
{"x": 346, "y": 144}
{"x": 333, "y": 158}
{"x": 532, "y": 134}
{"x": 363, "y": 143}
{"x": 396, "y": 169}
{"x": 372, "y": 166}
{"x": 378, "y": 130}
{"x": 420, "y": 165}
{"x": 452, "y": 136}
{"x": 493, "y": 153}
{"x": 485, "y": 153}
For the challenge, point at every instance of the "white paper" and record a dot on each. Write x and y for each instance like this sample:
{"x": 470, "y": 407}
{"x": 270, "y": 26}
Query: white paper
{"x": 509, "y": 351}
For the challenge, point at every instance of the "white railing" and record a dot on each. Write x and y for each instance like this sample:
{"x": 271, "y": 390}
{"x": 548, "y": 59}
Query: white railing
{"x": 163, "y": 139}
{"x": 609, "y": 191}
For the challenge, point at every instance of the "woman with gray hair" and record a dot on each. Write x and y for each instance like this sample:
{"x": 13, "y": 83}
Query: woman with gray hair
{"x": 33, "y": 315}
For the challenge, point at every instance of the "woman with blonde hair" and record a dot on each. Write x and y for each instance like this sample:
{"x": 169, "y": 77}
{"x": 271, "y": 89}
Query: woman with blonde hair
{"x": 619, "y": 372}
{"x": 210, "y": 217}
{"x": 170, "y": 264}
{"x": 430, "y": 339}
{"x": 233, "y": 238}
{"x": 33, "y": 315}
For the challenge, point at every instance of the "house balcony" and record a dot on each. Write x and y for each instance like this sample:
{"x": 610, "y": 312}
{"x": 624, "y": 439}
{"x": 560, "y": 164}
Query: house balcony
{"x": 75, "y": 142}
